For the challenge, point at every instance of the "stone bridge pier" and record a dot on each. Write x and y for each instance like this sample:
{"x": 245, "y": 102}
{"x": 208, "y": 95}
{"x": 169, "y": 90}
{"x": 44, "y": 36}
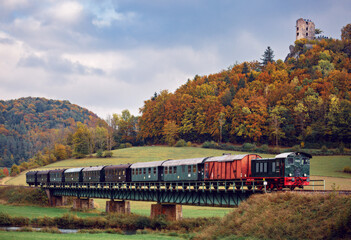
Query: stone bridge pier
{"x": 118, "y": 207}
{"x": 56, "y": 201}
{"x": 173, "y": 212}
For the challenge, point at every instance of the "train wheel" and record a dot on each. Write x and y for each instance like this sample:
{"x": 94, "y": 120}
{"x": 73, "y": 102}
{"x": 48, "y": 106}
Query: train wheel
{"x": 238, "y": 187}
{"x": 292, "y": 188}
{"x": 249, "y": 187}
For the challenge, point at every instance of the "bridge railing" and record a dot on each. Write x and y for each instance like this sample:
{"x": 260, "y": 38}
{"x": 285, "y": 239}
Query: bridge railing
{"x": 167, "y": 186}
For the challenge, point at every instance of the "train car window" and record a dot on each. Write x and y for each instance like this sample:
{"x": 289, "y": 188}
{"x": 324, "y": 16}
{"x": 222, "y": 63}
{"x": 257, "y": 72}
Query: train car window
{"x": 175, "y": 170}
{"x": 144, "y": 171}
{"x": 170, "y": 170}
{"x": 189, "y": 169}
{"x": 261, "y": 167}
{"x": 273, "y": 166}
{"x": 290, "y": 160}
{"x": 194, "y": 168}
{"x": 133, "y": 171}
{"x": 166, "y": 170}
{"x": 154, "y": 170}
{"x": 265, "y": 167}
{"x": 257, "y": 167}
{"x": 140, "y": 171}
{"x": 149, "y": 170}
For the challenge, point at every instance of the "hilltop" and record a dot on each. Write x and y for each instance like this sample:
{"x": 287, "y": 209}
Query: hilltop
{"x": 304, "y": 101}
{"x": 28, "y": 125}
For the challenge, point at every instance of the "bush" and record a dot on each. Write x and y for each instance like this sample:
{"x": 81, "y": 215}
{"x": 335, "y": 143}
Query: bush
{"x": 211, "y": 144}
{"x": 99, "y": 153}
{"x": 347, "y": 169}
{"x": 264, "y": 148}
{"x": 181, "y": 143}
{"x": 324, "y": 149}
{"x": 249, "y": 147}
{"x": 189, "y": 144}
{"x": 128, "y": 145}
{"x": 296, "y": 148}
{"x": 22, "y": 195}
{"x": 108, "y": 154}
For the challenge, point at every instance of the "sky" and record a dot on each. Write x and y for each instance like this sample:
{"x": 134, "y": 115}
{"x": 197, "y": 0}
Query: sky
{"x": 108, "y": 56}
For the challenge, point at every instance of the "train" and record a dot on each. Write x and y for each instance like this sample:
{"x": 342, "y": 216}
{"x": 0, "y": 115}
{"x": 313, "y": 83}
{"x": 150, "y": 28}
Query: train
{"x": 286, "y": 170}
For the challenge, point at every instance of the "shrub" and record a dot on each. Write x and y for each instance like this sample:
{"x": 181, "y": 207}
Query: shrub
{"x": 324, "y": 149}
{"x": 128, "y": 145}
{"x": 99, "y": 153}
{"x": 296, "y": 148}
{"x": 206, "y": 144}
{"x": 264, "y": 148}
{"x": 108, "y": 154}
{"x": 180, "y": 143}
{"x": 248, "y": 147}
{"x": 189, "y": 144}
{"x": 5, "y": 219}
{"x": 347, "y": 169}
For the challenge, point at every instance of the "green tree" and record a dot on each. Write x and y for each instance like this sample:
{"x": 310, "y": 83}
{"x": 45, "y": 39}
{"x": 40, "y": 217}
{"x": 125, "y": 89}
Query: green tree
{"x": 268, "y": 56}
{"x": 346, "y": 32}
{"x": 276, "y": 118}
{"x": 81, "y": 141}
{"x": 317, "y": 31}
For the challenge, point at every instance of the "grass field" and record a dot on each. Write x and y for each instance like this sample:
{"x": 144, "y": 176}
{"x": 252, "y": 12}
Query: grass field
{"x": 34, "y": 211}
{"x": 78, "y": 236}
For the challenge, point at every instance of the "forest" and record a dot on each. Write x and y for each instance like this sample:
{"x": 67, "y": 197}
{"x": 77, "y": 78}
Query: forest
{"x": 304, "y": 100}
{"x": 29, "y": 125}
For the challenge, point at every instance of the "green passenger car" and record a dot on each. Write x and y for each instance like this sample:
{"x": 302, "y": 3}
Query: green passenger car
{"x": 183, "y": 170}
{"x": 147, "y": 171}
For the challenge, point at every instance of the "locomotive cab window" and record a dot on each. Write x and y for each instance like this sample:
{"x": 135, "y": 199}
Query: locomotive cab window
{"x": 290, "y": 161}
{"x": 306, "y": 161}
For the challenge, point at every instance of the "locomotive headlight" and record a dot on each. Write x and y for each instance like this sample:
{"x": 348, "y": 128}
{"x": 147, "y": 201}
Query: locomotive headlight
{"x": 290, "y": 174}
{"x": 304, "y": 175}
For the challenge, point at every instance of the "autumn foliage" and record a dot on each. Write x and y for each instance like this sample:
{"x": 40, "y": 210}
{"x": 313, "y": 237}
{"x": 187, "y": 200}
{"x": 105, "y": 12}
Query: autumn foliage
{"x": 303, "y": 101}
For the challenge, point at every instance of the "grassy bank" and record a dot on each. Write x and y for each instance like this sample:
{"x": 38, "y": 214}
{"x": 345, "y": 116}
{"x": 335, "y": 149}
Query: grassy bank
{"x": 80, "y": 236}
{"x": 286, "y": 216}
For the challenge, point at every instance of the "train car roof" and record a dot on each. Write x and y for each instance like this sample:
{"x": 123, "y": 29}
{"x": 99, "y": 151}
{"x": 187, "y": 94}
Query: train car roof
{"x": 293, "y": 154}
{"x": 43, "y": 172}
{"x": 227, "y": 158}
{"x": 120, "y": 166}
{"x": 147, "y": 164}
{"x": 96, "y": 168}
{"x": 31, "y": 172}
{"x": 73, "y": 170}
{"x": 180, "y": 162}
{"x": 57, "y": 171}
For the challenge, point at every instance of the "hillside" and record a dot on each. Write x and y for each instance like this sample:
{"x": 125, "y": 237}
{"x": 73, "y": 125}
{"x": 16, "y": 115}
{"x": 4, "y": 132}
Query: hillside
{"x": 304, "y": 101}
{"x": 28, "y": 125}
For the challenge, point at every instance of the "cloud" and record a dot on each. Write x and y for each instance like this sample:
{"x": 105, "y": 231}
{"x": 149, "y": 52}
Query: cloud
{"x": 13, "y": 4}
{"x": 66, "y": 12}
{"x": 106, "y": 14}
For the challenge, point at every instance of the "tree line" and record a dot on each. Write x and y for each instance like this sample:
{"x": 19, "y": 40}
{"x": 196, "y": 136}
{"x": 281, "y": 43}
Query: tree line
{"x": 303, "y": 101}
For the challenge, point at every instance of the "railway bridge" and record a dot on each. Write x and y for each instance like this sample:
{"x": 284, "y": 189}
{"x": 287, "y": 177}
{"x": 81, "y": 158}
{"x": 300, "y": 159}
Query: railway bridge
{"x": 169, "y": 197}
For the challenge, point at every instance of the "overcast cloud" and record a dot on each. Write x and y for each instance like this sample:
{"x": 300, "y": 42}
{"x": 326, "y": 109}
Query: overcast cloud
{"x": 109, "y": 56}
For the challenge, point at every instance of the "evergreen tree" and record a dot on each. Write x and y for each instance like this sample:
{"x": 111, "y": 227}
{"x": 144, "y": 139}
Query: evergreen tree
{"x": 267, "y": 56}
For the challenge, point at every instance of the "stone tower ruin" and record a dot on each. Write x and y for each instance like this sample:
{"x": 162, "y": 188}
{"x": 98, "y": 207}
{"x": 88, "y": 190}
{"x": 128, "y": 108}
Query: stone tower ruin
{"x": 305, "y": 29}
